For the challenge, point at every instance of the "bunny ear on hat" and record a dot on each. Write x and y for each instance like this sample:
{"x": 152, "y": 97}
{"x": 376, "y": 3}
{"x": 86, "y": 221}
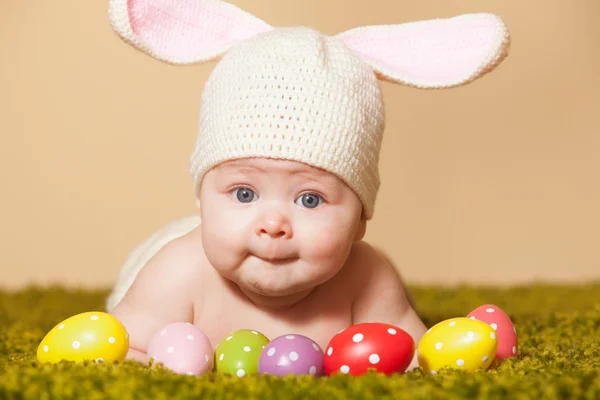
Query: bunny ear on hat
{"x": 427, "y": 54}
{"x": 183, "y": 31}
{"x": 436, "y": 53}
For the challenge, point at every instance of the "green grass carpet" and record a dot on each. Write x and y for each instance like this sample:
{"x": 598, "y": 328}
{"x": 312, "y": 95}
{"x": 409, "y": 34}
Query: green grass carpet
{"x": 559, "y": 343}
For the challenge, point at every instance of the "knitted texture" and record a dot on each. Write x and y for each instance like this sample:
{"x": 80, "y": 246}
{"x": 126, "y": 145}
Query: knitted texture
{"x": 294, "y": 94}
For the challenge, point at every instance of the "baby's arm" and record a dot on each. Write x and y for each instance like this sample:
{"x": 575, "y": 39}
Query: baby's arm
{"x": 160, "y": 294}
{"x": 382, "y": 296}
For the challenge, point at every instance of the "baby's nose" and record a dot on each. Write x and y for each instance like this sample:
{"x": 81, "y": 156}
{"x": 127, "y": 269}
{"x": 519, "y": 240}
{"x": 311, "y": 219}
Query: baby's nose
{"x": 276, "y": 225}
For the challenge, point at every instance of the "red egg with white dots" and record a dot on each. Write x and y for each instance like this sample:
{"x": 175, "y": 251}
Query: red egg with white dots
{"x": 369, "y": 346}
{"x": 507, "y": 334}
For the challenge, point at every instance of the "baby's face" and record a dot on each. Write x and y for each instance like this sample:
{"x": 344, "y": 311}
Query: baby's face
{"x": 277, "y": 227}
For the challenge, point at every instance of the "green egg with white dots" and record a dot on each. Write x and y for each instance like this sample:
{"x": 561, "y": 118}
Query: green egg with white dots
{"x": 238, "y": 352}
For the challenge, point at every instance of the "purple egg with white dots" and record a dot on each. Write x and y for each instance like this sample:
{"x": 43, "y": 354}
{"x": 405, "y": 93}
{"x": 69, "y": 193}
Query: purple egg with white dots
{"x": 291, "y": 354}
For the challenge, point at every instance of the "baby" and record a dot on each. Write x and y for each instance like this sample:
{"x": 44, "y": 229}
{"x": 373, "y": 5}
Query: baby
{"x": 285, "y": 170}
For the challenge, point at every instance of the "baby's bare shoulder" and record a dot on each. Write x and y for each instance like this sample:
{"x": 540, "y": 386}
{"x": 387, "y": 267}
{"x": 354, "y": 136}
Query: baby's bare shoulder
{"x": 163, "y": 291}
{"x": 179, "y": 258}
{"x": 171, "y": 273}
{"x": 371, "y": 269}
{"x": 364, "y": 257}
{"x": 187, "y": 249}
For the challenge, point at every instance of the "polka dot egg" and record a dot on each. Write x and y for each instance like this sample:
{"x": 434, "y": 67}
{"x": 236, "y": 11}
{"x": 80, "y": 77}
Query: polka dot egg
{"x": 291, "y": 354}
{"x": 369, "y": 346}
{"x": 506, "y": 331}
{"x": 183, "y": 348}
{"x": 94, "y": 336}
{"x": 238, "y": 352}
{"x": 458, "y": 343}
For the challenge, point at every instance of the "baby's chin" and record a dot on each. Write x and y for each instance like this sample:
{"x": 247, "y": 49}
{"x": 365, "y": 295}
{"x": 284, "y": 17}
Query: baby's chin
{"x": 276, "y": 283}
{"x": 274, "y": 287}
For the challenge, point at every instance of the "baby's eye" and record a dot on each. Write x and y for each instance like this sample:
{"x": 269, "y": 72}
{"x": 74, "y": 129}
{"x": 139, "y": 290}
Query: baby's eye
{"x": 244, "y": 195}
{"x": 309, "y": 200}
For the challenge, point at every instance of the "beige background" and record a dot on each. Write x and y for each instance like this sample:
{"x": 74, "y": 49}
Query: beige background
{"x": 494, "y": 182}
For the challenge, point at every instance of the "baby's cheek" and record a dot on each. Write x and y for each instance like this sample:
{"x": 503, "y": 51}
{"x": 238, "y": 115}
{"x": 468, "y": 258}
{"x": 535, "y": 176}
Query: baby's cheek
{"x": 221, "y": 246}
{"x": 328, "y": 245}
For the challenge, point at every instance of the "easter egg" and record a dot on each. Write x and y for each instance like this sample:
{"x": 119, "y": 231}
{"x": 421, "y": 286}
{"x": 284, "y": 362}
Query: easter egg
{"x": 369, "y": 346}
{"x": 501, "y": 323}
{"x": 458, "y": 343}
{"x": 291, "y": 354}
{"x": 238, "y": 353}
{"x": 183, "y": 348}
{"x": 87, "y": 336}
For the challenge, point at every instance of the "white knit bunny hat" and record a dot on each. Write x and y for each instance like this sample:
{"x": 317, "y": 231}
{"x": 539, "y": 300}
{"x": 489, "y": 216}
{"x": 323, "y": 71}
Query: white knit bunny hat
{"x": 296, "y": 94}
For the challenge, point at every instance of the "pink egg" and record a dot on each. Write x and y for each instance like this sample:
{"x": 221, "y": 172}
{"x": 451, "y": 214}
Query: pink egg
{"x": 500, "y": 321}
{"x": 182, "y": 348}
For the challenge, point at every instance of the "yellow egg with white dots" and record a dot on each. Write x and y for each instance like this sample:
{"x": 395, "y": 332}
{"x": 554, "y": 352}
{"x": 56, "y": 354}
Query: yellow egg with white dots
{"x": 94, "y": 336}
{"x": 457, "y": 343}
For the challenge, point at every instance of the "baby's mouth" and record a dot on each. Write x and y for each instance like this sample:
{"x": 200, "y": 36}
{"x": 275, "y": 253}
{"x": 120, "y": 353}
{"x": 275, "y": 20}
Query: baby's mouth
{"x": 279, "y": 261}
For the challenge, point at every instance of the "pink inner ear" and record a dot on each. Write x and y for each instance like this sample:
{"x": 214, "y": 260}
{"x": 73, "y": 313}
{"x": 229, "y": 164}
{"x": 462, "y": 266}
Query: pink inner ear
{"x": 190, "y": 30}
{"x": 442, "y": 52}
